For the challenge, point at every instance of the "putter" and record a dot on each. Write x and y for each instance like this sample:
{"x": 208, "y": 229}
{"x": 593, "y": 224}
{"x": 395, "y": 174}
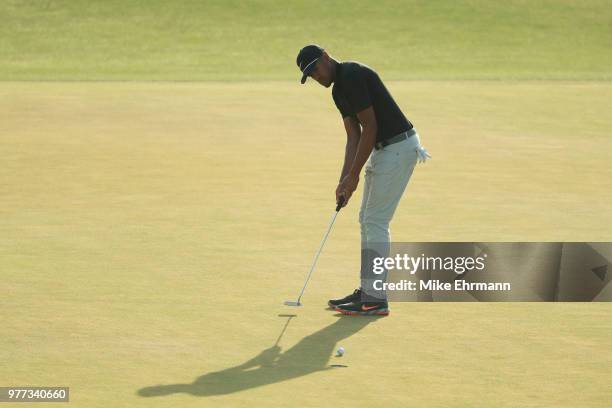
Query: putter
{"x": 297, "y": 303}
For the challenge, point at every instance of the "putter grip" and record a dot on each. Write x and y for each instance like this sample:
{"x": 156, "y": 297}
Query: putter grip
{"x": 340, "y": 202}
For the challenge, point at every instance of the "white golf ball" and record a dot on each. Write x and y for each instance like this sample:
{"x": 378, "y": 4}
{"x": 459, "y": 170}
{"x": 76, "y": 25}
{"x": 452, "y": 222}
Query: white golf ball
{"x": 340, "y": 351}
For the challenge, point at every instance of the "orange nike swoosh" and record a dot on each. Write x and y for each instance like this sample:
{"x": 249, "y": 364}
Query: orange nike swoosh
{"x": 365, "y": 308}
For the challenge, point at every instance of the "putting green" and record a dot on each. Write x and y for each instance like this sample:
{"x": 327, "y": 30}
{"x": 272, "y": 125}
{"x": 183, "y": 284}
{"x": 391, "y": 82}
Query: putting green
{"x": 151, "y": 231}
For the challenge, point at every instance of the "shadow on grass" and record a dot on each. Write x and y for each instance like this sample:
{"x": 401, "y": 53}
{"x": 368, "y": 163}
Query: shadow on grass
{"x": 309, "y": 355}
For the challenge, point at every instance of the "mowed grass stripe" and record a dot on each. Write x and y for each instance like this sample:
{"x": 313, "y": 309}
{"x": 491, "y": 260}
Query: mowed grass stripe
{"x": 258, "y": 40}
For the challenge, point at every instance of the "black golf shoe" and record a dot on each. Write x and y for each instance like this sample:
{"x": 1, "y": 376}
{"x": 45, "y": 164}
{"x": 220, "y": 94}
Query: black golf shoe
{"x": 359, "y": 308}
{"x": 353, "y": 297}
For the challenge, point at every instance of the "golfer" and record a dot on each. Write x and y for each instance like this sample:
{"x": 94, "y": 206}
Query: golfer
{"x": 377, "y": 132}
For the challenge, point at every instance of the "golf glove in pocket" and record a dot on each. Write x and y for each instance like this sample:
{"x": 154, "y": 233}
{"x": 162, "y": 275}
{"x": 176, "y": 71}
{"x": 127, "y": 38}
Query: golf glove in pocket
{"x": 422, "y": 154}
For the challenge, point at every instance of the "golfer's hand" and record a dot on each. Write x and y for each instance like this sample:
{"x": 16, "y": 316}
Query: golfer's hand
{"x": 346, "y": 188}
{"x": 422, "y": 154}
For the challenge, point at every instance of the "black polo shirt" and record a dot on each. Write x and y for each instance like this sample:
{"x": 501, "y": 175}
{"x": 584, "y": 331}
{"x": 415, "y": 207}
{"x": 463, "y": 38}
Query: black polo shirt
{"x": 357, "y": 87}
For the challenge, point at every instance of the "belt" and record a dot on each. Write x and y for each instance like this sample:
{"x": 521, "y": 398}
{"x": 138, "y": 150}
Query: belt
{"x": 395, "y": 139}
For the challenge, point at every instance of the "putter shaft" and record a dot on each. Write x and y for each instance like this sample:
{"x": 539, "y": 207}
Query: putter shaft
{"x": 314, "y": 262}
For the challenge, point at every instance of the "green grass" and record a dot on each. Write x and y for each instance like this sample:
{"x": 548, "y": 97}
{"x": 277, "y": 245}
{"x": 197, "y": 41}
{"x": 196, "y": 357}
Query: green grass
{"x": 258, "y": 40}
{"x": 150, "y": 232}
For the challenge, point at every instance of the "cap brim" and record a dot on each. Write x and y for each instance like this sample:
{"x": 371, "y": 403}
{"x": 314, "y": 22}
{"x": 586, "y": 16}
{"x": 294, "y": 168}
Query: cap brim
{"x": 308, "y": 70}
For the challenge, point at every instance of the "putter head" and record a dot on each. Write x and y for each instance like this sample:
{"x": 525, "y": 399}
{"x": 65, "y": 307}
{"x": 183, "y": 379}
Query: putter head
{"x": 292, "y": 303}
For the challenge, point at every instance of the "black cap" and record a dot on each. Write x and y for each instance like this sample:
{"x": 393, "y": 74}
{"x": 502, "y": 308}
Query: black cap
{"x": 307, "y": 59}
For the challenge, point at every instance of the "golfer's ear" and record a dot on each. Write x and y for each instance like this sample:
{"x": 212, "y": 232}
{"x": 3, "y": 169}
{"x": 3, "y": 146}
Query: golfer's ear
{"x": 367, "y": 118}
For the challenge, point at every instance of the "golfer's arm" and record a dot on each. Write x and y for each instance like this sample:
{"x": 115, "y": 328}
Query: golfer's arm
{"x": 367, "y": 118}
{"x": 353, "y": 134}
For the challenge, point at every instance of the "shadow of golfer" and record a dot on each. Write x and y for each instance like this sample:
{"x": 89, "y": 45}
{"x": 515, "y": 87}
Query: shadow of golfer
{"x": 309, "y": 355}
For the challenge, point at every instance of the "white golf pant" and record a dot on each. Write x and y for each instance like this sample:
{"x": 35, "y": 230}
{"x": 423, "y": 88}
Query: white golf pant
{"x": 387, "y": 173}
